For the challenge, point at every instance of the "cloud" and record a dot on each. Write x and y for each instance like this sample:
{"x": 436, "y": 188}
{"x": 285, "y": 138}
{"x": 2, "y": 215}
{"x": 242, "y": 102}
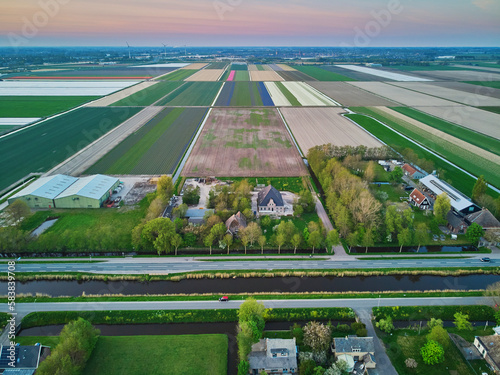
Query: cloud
{"x": 487, "y": 5}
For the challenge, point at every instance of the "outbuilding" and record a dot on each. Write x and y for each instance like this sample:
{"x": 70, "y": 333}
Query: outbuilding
{"x": 87, "y": 192}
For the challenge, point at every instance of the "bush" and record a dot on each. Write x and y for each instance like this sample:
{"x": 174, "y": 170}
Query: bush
{"x": 243, "y": 368}
{"x": 385, "y": 325}
{"x": 475, "y": 312}
{"x": 344, "y": 328}
{"x": 411, "y": 363}
{"x": 432, "y": 353}
{"x": 307, "y": 367}
{"x": 357, "y": 325}
{"x": 362, "y": 332}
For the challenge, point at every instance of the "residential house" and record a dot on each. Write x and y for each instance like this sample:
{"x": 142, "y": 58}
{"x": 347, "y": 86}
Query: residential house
{"x": 458, "y": 223}
{"x": 27, "y": 359}
{"x": 489, "y": 348}
{"x": 274, "y": 356}
{"x": 360, "y": 349}
{"x": 418, "y": 199}
{"x": 236, "y": 223}
{"x": 270, "y": 201}
{"x": 412, "y": 172}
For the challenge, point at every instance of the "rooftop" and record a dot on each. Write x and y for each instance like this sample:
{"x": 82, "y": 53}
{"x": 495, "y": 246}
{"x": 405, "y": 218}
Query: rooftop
{"x": 351, "y": 344}
{"x": 268, "y": 193}
{"x": 458, "y": 201}
{"x": 417, "y": 196}
{"x": 47, "y": 187}
{"x": 273, "y": 354}
{"x": 492, "y": 346}
{"x": 484, "y": 218}
{"x": 90, "y": 187}
{"x": 27, "y": 357}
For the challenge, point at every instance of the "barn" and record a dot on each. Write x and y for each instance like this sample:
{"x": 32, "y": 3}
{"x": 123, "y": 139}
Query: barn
{"x": 42, "y": 192}
{"x": 87, "y": 192}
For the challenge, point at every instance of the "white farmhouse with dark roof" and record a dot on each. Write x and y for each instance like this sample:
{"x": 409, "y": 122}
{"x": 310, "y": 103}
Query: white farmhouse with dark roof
{"x": 270, "y": 201}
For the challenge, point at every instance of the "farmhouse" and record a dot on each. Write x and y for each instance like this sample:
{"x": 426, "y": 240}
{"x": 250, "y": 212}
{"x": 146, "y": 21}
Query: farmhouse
{"x": 357, "y": 351}
{"x": 458, "y": 223}
{"x": 236, "y": 223}
{"x": 87, "y": 192}
{"x": 418, "y": 199}
{"x": 42, "y": 192}
{"x": 489, "y": 348}
{"x": 412, "y": 172}
{"x": 459, "y": 202}
{"x": 270, "y": 201}
{"x": 276, "y": 356}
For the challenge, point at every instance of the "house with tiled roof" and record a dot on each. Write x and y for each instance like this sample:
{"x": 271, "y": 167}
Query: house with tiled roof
{"x": 236, "y": 223}
{"x": 270, "y": 201}
{"x": 418, "y": 199}
{"x": 489, "y": 348}
{"x": 412, "y": 172}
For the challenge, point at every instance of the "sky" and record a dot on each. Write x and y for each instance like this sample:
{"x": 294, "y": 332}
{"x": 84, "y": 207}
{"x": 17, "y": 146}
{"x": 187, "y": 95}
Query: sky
{"x": 335, "y": 23}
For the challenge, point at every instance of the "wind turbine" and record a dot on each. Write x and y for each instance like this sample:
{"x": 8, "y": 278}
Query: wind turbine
{"x": 165, "y": 47}
{"x": 129, "y": 55}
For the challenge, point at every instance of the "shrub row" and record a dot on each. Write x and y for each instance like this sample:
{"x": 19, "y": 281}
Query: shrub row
{"x": 475, "y": 312}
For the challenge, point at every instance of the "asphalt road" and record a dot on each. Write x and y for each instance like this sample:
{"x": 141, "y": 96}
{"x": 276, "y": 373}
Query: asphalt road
{"x": 175, "y": 265}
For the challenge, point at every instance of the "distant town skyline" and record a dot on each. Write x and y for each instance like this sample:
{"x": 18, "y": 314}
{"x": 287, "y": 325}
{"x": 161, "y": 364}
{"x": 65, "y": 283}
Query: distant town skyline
{"x": 357, "y": 23}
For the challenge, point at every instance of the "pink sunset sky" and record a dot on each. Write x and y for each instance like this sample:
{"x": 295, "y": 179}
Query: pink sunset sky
{"x": 250, "y": 22}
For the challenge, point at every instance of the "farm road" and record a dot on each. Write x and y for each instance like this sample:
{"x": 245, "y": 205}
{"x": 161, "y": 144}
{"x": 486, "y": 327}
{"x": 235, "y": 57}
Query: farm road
{"x": 84, "y": 159}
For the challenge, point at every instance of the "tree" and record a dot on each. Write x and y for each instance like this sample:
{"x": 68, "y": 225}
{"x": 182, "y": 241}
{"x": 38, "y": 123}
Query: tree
{"x": 396, "y": 175}
{"x": 442, "y": 206}
{"x": 244, "y": 241}
{"x": 480, "y": 188}
{"x": 306, "y": 201}
{"x": 404, "y": 238}
{"x": 265, "y": 221}
{"x": 421, "y": 234}
{"x": 251, "y": 309}
{"x": 280, "y": 241}
{"x": 296, "y": 241}
{"x": 462, "y": 321}
{"x": 165, "y": 187}
{"x": 262, "y": 241}
{"x": 158, "y": 233}
{"x": 181, "y": 210}
{"x": 440, "y": 335}
{"x": 218, "y": 231}
{"x": 432, "y": 353}
{"x": 332, "y": 239}
{"x": 370, "y": 171}
{"x": 314, "y": 239}
{"x": 385, "y": 325}
{"x": 474, "y": 233}
{"x": 434, "y": 323}
{"x": 228, "y": 240}
{"x": 317, "y": 336}
{"x": 368, "y": 239}
{"x": 298, "y": 210}
{"x": 191, "y": 195}
{"x": 411, "y": 363}
{"x": 243, "y": 368}
{"x": 176, "y": 241}
{"x": 209, "y": 241}
{"x": 365, "y": 209}
{"x": 253, "y": 232}
{"x": 17, "y": 211}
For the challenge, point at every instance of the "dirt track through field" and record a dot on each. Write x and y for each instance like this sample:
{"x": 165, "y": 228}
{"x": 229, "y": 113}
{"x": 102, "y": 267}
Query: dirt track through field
{"x": 244, "y": 143}
{"x": 113, "y": 98}
{"x": 318, "y": 126}
{"x": 81, "y": 161}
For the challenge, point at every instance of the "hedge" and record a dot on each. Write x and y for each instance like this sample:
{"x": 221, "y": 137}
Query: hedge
{"x": 475, "y": 312}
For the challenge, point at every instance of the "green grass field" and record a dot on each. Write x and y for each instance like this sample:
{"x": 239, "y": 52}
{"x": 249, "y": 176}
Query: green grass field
{"x": 457, "y": 178}
{"x": 41, "y": 147}
{"x": 492, "y": 84}
{"x": 175, "y": 354}
{"x": 178, "y": 75}
{"x": 143, "y": 152}
{"x": 469, "y": 161}
{"x": 193, "y": 94}
{"x": 39, "y": 106}
{"x": 149, "y": 95}
{"x": 477, "y": 139}
{"x": 289, "y": 96}
{"x": 321, "y": 74}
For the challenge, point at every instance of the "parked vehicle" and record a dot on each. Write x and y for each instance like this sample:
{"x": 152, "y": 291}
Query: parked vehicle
{"x": 224, "y": 299}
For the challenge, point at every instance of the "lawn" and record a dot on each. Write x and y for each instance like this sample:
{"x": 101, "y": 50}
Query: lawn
{"x": 51, "y": 341}
{"x": 41, "y": 147}
{"x": 143, "y": 151}
{"x": 178, "y": 75}
{"x": 149, "y": 95}
{"x": 321, "y": 74}
{"x": 39, "y": 106}
{"x": 155, "y": 355}
{"x": 192, "y": 94}
{"x": 458, "y": 179}
{"x": 477, "y": 139}
{"x": 493, "y": 84}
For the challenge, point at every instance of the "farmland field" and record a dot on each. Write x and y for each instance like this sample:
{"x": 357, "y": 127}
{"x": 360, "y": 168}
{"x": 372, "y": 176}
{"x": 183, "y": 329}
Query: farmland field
{"x": 236, "y": 75}
{"x": 178, "y": 75}
{"x": 265, "y": 75}
{"x": 349, "y": 95}
{"x": 457, "y": 178}
{"x": 63, "y": 88}
{"x": 472, "y": 88}
{"x": 318, "y": 126}
{"x": 210, "y": 75}
{"x": 192, "y": 94}
{"x": 289, "y": 75}
{"x": 122, "y": 94}
{"x": 39, "y": 106}
{"x": 471, "y": 158}
{"x": 149, "y": 95}
{"x": 278, "y": 96}
{"x": 461, "y": 75}
{"x": 286, "y": 67}
{"x": 244, "y": 143}
{"x": 383, "y": 73}
{"x": 41, "y": 147}
{"x": 238, "y": 67}
{"x": 156, "y": 148}
{"x": 424, "y": 67}
{"x": 196, "y": 66}
{"x": 321, "y": 74}
{"x": 217, "y": 65}
{"x": 305, "y": 94}
{"x": 355, "y": 76}
{"x": 96, "y": 73}
{"x": 477, "y": 139}
{"x": 492, "y": 84}
{"x": 491, "y": 109}
{"x": 244, "y": 94}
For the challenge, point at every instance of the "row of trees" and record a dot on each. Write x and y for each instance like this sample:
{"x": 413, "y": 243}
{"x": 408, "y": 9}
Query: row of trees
{"x": 251, "y": 325}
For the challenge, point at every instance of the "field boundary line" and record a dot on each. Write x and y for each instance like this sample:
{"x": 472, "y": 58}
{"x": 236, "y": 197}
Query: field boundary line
{"x": 291, "y": 134}
{"x": 217, "y": 96}
{"x": 191, "y": 146}
{"x": 422, "y": 147}
{"x": 223, "y": 72}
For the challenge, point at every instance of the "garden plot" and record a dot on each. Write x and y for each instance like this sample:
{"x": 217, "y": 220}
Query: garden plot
{"x": 265, "y": 75}
{"x": 200, "y": 94}
{"x": 461, "y": 75}
{"x": 473, "y": 89}
{"x": 66, "y": 88}
{"x": 469, "y": 117}
{"x": 156, "y": 148}
{"x": 244, "y": 94}
{"x": 349, "y": 95}
{"x": 450, "y": 94}
{"x": 195, "y": 66}
{"x": 307, "y": 95}
{"x": 117, "y": 96}
{"x": 384, "y": 74}
{"x": 403, "y": 96}
{"x": 244, "y": 143}
{"x": 210, "y": 75}
{"x": 318, "y": 126}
